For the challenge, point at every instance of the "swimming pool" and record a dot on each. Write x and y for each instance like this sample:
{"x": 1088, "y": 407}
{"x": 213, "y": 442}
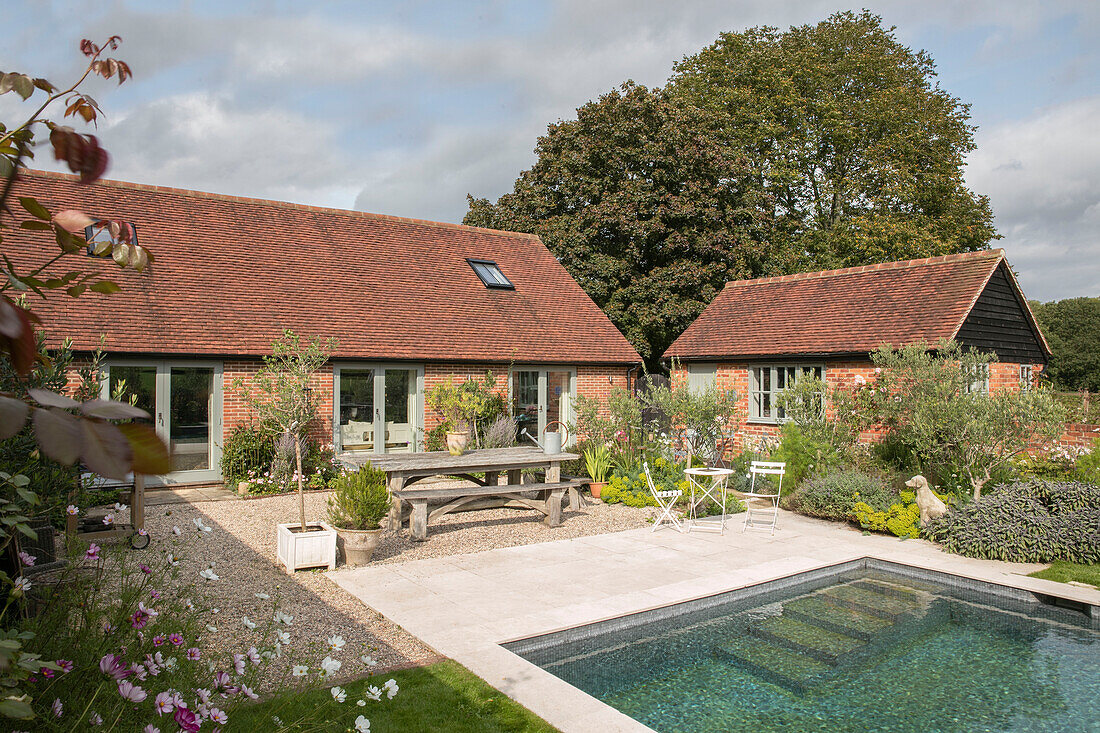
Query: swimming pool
{"x": 864, "y": 646}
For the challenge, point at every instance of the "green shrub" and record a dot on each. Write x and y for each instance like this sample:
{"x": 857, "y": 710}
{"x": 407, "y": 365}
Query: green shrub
{"x": 802, "y": 454}
{"x": 597, "y": 462}
{"x": 246, "y": 453}
{"x": 359, "y": 499}
{"x": 834, "y": 495}
{"x": 1088, "y": 464}
{"x": 319, "y": 461}
{"x": 1027, "y": 521}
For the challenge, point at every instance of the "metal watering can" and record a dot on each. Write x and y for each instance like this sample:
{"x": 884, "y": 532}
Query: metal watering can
{"x": 551, "y": 441}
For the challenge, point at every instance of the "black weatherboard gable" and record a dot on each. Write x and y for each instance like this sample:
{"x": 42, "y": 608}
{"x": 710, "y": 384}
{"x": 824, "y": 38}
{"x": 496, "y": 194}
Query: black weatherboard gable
{"x": 1000, "y": 323}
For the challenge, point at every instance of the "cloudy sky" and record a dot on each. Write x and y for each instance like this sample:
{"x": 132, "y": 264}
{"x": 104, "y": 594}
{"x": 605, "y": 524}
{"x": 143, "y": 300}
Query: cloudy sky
{"x": 405, "y": 107}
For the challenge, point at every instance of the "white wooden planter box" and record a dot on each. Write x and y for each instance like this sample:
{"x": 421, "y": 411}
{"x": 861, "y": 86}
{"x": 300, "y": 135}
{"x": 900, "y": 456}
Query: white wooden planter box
{"x": 312, "y": 549}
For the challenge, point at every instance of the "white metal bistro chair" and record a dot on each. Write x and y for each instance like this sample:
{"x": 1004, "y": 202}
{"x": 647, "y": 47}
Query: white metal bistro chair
{"x": 765, "y": 515}
{"x": 665, "y": 500}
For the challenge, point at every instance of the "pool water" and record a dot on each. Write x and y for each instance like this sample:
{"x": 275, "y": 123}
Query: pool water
{"x": 857, "y": 650}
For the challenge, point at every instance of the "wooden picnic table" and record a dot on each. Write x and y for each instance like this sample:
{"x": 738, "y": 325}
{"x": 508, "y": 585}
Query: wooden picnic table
{"x": 405, "y": 469}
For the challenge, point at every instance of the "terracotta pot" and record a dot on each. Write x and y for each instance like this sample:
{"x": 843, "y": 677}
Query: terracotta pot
{"x": 358, "y": 544}
{"x": 595, "y": 487}
{"x": 456, "y": 443}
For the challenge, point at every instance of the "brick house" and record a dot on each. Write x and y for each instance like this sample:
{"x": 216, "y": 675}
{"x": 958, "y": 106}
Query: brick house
{"x": 759, "y": 336}
{"x": 410, "y": 302}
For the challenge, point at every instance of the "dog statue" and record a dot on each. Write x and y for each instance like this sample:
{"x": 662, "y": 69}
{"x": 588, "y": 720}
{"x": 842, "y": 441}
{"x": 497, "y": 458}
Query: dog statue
{"x": 930, "y": 505}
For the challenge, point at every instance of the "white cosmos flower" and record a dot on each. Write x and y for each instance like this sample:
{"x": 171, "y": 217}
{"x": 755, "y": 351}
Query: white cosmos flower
{"x": 209, "y": 574}
{"x": 330, "y": 666}
{"x": 176, "y": 531}
{"x": 263, "y": 596}
{"x": 338, "y": 694}
{"x": 361, "y": 703}
{"x": 336, "y": 643}
{"x": 373, "y": 693}
{"x": 211, "y": 628}
{"x": 283, "y": 618}
{"x": 368, "y": 660}
{"x": 362, "y": 725}
{"x": 248, "y": 624}
{"x": 390, "y": 687}
{"x": 284, "y": 637}
{"x": 172, "y": 560}
{"x": 300, "y": 670}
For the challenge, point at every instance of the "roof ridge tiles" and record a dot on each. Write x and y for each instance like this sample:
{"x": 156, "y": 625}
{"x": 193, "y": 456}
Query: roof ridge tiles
{"x": 996, "y": 253}
{"x": 191, "y": 193}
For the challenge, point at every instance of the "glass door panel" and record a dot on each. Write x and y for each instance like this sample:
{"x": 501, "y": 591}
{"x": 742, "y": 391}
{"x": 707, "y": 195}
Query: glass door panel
{"x": 400, "y": 410}
{"x": 137, "y": 383}
{"x": 191, "y": 391}
{"x": 357, "y": 412}
{"x": 525, "y": 405}
{"x": 557, "y": 399}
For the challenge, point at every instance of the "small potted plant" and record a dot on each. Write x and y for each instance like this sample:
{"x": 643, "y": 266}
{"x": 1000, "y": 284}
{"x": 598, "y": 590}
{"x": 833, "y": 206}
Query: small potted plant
{"x": 359, "y": 503}
{"x": 597, "y": 461}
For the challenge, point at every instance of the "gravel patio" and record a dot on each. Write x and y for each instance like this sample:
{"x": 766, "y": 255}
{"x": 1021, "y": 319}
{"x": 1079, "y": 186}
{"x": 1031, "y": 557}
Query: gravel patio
{"x": 242, "y": 547}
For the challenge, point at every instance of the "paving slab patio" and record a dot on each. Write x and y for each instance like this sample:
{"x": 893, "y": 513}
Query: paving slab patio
{"x": 465, "y": 606}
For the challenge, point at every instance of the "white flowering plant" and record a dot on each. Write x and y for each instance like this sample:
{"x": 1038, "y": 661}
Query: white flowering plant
{"x": 125, "y": 641}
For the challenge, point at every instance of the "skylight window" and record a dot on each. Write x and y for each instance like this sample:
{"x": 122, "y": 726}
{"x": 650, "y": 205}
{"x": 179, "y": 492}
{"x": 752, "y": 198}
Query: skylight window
{"x": 101, "y": 239}
{"x": 490, "y": 274}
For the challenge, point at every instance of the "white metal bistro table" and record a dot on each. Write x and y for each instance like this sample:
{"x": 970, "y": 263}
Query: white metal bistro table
{"x": 708, "y": 483}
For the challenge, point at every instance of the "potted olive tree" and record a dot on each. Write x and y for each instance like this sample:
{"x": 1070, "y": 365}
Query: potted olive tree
{"x": 281, "y": 396}
{"x": 597, "y": 461}
{"x": 359, "y": 503}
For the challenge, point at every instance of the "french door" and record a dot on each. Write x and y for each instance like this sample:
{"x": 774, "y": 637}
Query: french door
{"x": 377, "y": 408}
{"x": 184, "y": 400}
{"x": 541, "y": 398}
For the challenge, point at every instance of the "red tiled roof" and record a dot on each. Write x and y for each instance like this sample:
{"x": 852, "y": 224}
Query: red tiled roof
{"x": 849, "y": 311}
{"x": 230, "y": 273}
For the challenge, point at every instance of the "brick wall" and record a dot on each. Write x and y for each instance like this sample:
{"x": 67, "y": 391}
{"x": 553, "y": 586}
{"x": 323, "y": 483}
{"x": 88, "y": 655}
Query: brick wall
{"x": 591, "y": 381}
{"x": 842, "y": 374}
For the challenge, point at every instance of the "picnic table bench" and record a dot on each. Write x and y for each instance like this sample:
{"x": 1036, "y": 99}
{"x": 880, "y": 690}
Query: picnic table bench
{"x": 410, "y": 503}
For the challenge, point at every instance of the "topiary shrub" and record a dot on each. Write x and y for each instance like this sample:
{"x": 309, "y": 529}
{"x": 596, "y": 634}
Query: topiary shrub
{"x": 1026, "y": 521}
{"x": 360, "y": 499}
{"x": 246, "y": 453}
{"x": 835, "y": 494}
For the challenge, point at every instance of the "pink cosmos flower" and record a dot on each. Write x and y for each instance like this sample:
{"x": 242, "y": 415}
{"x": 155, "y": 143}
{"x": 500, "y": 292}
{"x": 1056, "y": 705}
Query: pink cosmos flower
{"x": 139, "y": 671}
{"x": 253, "y": 655}
{"x": 95, "y": 718}
{"x": 130, "y": 691}
{"x": 158, "y": 640}
{"x": 247, "y": 692}
{"x": 93, "y": 552}
{"x": 154, "y": 594}
{"x": 187, "y": 720}
{"x": 193, "y": 653}
{"x": 175, "y": 639}
{"x": 26, "y": 559}
{"x": 65, "y": 664}
{"x": 113, "y": 667}
{"x": 163, "y": 703}
{"x": 218, "y": 716}
{"x": 203, "y": 695}
{"x": 238, "y": 664}
{"x": 145, "y": 568}
{"x": 150, "y": 729}
{"x": 139, "y": 619}
{"x": 57, "y": 707}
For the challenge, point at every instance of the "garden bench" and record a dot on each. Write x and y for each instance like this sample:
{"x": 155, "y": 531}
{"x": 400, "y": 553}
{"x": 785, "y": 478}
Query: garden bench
{"x": 548, "y": 499}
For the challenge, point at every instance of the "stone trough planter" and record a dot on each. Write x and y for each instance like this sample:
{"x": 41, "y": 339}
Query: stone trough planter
{"x": 316, "y": 547}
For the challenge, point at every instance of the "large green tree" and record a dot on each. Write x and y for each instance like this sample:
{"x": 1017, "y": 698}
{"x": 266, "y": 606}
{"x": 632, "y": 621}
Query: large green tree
{"x": 859, "y": 149}
{"x": 768, "y": 153}
{"x": 1072, "y": 328}
{"x": 645, "y": 207}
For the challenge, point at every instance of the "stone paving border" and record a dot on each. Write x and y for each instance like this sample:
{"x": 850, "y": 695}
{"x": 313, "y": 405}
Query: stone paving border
{"x": 465, "y": 606}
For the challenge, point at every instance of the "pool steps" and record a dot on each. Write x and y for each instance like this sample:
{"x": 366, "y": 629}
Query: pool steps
{"x": 816, "y": 633}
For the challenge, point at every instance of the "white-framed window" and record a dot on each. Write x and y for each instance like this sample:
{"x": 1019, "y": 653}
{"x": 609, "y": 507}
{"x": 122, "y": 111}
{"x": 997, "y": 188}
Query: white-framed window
{"x": 979, "y": 379}
{"x": 767, "y": 381}
{"x": 1026, "y": 377}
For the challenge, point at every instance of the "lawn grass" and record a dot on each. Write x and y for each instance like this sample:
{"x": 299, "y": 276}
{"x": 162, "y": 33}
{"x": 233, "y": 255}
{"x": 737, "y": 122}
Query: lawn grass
{"x": 439, "y": 697}
{"x": 1063, "y": 572}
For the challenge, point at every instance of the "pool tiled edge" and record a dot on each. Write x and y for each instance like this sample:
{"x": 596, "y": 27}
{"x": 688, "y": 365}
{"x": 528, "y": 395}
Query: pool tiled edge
{"x": 466, "y": 607}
